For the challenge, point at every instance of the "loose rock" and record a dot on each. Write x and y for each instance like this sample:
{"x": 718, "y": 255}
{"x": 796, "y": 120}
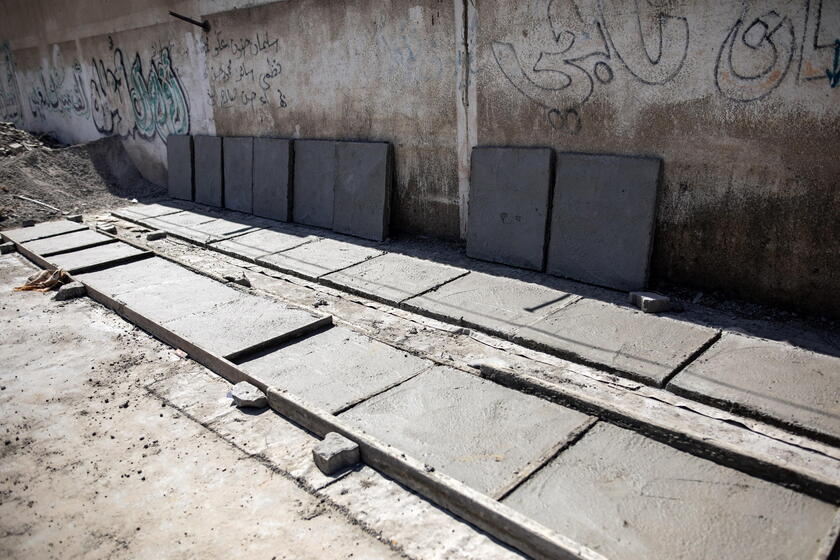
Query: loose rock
{"x": 75, "y": 218}
{"x": 335, "y": 453}
{"x": 246, "y": 395}
{"x": 650, "y": 302}
{"x": 240, "y": 279}
{"x": 155, "y": 235}
{"x": 70, "y": 291}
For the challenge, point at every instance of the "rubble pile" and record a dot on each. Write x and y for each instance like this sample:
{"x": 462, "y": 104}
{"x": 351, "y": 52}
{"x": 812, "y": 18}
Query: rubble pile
{"x": 14, "y": 141}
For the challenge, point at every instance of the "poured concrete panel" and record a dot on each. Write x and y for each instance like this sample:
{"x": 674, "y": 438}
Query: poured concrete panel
{"x": 335, "y": 368}
{"x": 314, "y": 260}
{"x": 140, "y": 211}
{"x": 626, "y": 496}
{"x": 221, "y": 227}
{"x": 393, "y": 278}
{"x": 103, "y": 255}
{"x": 263, "y": 242}
{"x": 647, "y": 347}
{"x": 272, "y": 178}
{"x": 494, "y": 303}
{"x": 42, "y": 230}
{"x": 315, "y": 170}
{"x": 67, "y": 242}
{"x": 508, "y": 211}
{"x": 475, "y": 431}
{"x": 239, "y": 173}
{"x": 179, "y": 164}
{"x": 793, "y": 386}
{"x": 361, "y": 204}
{"x": 185, "y": 218}
{"x": 603, "y": 219}
{"x": 208, "y": 170}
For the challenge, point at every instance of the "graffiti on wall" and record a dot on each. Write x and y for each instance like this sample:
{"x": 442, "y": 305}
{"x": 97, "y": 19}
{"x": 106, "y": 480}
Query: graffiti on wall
{"x": 55, "y": 92}
{"x": 11, "y": 109}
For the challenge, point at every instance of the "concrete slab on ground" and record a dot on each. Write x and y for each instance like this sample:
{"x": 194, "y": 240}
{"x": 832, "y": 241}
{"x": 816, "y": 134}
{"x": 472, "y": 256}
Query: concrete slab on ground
{"x": 272, "y": 178}
{"x": 361, "y": 203}
{"x": 184, "y": 218}
{"x": 42, "y": 230}
{"x": 263, "y": 242}
{"x": 238, "y": 154}
{"x": 223, "y": 227}
{"x": 179, "y": 165}
{"x": 603, "y": 218}
{"x": 67, "y": 242}
{"x": 627, "y": 496}
{"x": 310, "y": 368}
{"x": 509, "y": 198}
{"x": 482, "y": 434}
{"x": 315, "y": 170}
{"x": 494, "y": 303}
{"x": 324, "y": 256}
{"x": 792, "y": 386}
{"x": 83, "y": 260}
{"x": 140, "y": 211}
{"x": 647, "y": 347}
{"x": 393, "y": 278}
{"x": 207, "y": 151}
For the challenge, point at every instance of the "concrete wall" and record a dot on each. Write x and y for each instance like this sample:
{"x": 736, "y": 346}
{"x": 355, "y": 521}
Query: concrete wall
{"x": 733, "y": 96}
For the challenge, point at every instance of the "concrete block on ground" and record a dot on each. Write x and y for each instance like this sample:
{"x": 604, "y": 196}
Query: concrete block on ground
{"x": 263, "y": 242}
{"x": 508, "y": 211}
{"x": 6, "y": 248}
{"x": 791, "y": 386}
{"x": 321, "y": 257}
{"x": 208, "y": 170}
{"x": 315, "y": 167}
{"x": 75, "y": 218}
{"x": 70, "y": 290}
{"x": 362, "y": 199}
{"x": 335, "y": 453}
{"x": 627, "y": 496}
{"x": 480, "y": 433}
{"x": 650, "y": 302}
{"x": 602, "y": 219}
{"x": 155, "y": 235}
{"x": 107, "y": 228}
{"x": 179, "y": 163}
{"x": 238, "y": 154}
{"x": 246, "y": 395}
{"x": 273, "y": 178}
{"x": 111, "y": 254}
{"x": 393, "y": 278}
{"x": 42, "y": 230}
{"x": 67, "y": 242}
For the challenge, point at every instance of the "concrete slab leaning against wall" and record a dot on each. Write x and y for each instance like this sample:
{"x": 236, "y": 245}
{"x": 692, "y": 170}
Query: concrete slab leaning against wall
{"x": 603, "y": 219}
{"x": 179, "y": 161}
{"x": 238, "y": 155}
{"x": 314, "y": 182}
{"x": 510, "y": 190}
{"x": 208, "y": 170}
{"x": 272, "y": 178}
{"x": 362, "y": 199}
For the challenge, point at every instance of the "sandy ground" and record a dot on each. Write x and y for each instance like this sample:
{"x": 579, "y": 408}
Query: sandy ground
{"x": 92, "y": 465}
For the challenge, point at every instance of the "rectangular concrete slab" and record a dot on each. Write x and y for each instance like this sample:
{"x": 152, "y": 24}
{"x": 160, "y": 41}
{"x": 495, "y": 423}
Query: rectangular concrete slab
{"x": 508, "y": 211}
{"x": 311, "y": 369}
{"x": 224, "y": 227}
{"x": 140, "y": 211}
{"x": 208, "y": 170}
{"x": 273, "y": 178}
{"x": 263, "y": 242}
{"x": 603, "y": 219}
{"x": 361, "y": 204}
{"x": 471, "y": 429}
{"x": 95, "y": 257}
{"x": 179, "y": 165}
{"x": 324, "y": 256}
{"x": 642, "y": 346}
{"x": 42, "y": 230}
{"x": 493, "y": 303}
{"x": 393, "y": 278}
{"x": 315, "y": 170}
{"x": 626, "y": 496}
{"x": 67, "y": 242}
{"x": 791, "y": 386}
{"x": 238, "y": 154}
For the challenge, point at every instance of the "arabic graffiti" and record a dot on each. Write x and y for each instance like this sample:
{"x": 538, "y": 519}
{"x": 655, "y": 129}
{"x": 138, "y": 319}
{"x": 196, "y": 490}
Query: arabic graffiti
{"x": 51, "y": 93}
{"x": 10, "y": 106}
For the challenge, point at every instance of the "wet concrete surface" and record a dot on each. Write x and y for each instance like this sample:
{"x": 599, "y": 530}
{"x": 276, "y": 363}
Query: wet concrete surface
{"x": 112, "y": 253}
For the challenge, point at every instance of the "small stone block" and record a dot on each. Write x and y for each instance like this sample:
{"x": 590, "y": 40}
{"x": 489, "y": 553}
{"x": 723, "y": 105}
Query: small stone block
{"x": 108, "y": 228}
{"x": 7, "y": 248}
{"x": 72, "y": 290}
{"x": 650, "y": 302}
{"x": 335, "y": 453}
{"x": 155, "y": 235}
{"x": 246, "y": 395}
{"x": 75, "y": 218}
{"x": 28, "y": 223}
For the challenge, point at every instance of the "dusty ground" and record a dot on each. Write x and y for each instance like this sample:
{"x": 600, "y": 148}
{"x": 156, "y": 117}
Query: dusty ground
{"x": 92, "y": 465}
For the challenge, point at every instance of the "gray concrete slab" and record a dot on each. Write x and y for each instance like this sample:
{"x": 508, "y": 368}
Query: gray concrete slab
{"x": 775, "y": 380}
{"x": 103, "y": 255}
{"x": 471, "y": 429}
{"x": 324, "y": 256}
{"x": 335, "y": 368}
{"x": 393, "y": 278}
{"x": 602, "y": 219}
{"x": 67, "y": 242}
{"x": 208, "y": 170}
{"x": 224, "y": 227}
{"x": 238, "y": 155}
{"x": 362, "y": 199}
{"x": 273, "y": 178}
{"x": 174, "y": 298}
{"x": 627, "y": 496}
{"x": 140, "y": 211}
{"x": 154, "y": 271}
{"x": 315, "y": 170}
{"x": 508, "y": 211}
{"x": 646, "y": 347}
{"x": 179, "y": 165}
{"x": 42, "y": 230}
{"x": 244, "y": 323}
{"x": 493, "y": 303}
{"x": 263, "y": 242}
{"x": 185, "y": 218}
